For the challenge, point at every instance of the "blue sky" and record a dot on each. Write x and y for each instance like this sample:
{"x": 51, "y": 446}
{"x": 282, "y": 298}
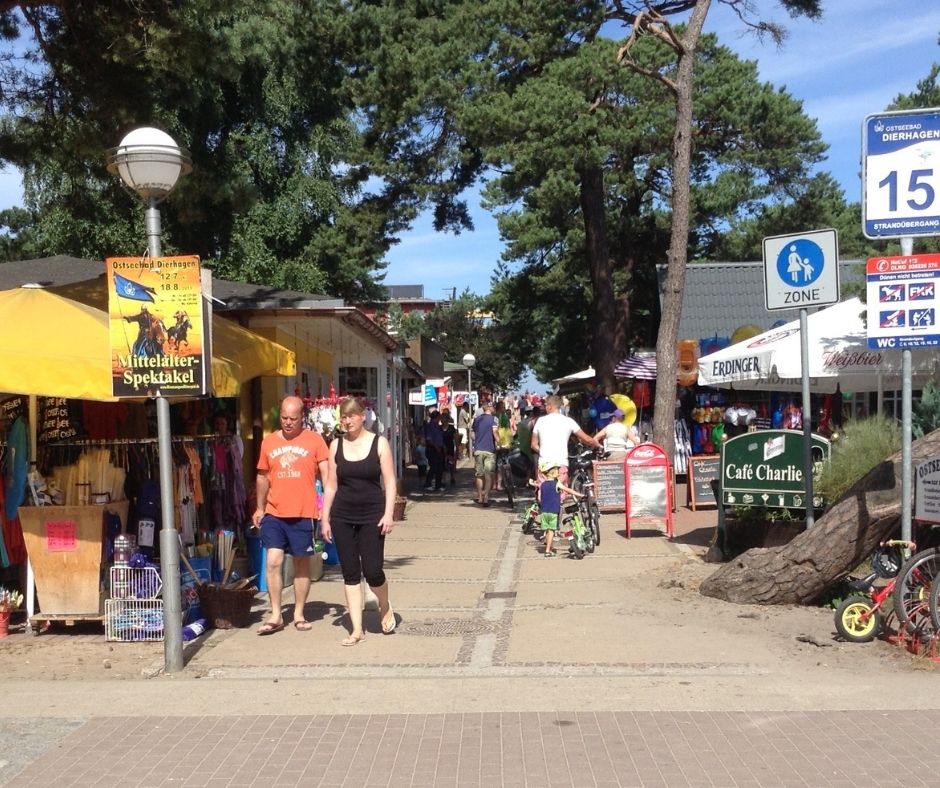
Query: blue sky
{"x": 851, "y": 64}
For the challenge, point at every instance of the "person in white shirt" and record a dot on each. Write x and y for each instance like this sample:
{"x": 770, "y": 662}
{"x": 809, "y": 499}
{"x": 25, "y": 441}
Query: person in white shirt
{"x": 551, "y": 434}
{"x": 617, "y": 437}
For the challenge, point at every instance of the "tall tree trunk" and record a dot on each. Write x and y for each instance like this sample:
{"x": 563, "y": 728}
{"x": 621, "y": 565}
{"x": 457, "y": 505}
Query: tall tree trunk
{"x": 799, "y": 572}
{"x": 605, "y": 345}
{"x": 664, "y": 413}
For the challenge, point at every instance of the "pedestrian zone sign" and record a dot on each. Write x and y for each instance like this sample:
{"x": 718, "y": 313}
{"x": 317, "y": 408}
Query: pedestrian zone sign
{"x": 801, "y": 270}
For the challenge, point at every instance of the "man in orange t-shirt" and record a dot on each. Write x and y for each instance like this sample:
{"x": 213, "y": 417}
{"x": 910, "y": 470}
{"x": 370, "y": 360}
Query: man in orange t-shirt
{"x": 290, "y": 462}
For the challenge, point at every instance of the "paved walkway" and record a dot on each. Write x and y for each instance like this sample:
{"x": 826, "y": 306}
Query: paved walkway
{"x": 507, "y": 669}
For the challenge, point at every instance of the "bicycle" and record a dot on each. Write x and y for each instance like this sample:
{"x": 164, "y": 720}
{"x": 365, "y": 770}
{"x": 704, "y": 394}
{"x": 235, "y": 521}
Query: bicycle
{"x": 530, "y": 523}
{"x": 504, "y": 474}
{"x": 935, "y": 606}
{"x": 581, "y": 480}
{"x": 580, "y": 537}
{"x": 913, "y": 591}
{"x": 858, "y": 618}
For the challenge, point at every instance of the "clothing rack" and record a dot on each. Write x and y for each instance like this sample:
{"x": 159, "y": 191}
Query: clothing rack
{"x": 105, "y": 442}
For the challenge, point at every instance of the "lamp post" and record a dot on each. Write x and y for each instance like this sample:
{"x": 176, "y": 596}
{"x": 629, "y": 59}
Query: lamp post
{"x": 150, "y": 162}
{"x": 468, "y": 361}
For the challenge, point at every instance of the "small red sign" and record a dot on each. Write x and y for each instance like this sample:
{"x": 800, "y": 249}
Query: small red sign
{"x": 60, "y": 536}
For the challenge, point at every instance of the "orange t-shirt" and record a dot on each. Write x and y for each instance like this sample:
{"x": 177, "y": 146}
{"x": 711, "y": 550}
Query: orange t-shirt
{"x": 292, "y": 467}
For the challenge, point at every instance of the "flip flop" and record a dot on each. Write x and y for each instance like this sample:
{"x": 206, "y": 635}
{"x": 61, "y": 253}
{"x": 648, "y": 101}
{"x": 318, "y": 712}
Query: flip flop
{"x": 387, "y": 629}
{"x": 352, "y": 640}
{"x": 269, "y": 628}
{"x": 303, "y": 626}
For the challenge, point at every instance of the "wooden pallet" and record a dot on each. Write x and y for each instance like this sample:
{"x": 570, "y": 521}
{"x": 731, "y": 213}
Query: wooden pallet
{"x": 40, "y": 622}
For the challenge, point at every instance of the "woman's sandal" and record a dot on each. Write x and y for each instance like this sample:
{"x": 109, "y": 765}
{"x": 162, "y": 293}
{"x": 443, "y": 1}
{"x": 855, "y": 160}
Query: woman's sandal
{"x": 388, "y": 628}
{"x": 352, "y": 640}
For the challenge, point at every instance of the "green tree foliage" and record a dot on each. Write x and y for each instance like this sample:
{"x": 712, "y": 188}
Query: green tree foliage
{"x": 464, "y": 326}
{"x": 626, "y": 130}
{"x": 925, "y": 416}
{"x": 259, "y": 94}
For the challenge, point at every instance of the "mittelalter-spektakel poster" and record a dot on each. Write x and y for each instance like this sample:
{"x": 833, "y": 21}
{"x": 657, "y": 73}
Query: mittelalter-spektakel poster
{"x": 157, "y": 339}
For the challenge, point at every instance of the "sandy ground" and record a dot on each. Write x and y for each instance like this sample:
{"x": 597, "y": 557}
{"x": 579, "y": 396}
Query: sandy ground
{"x": 667, "y": 620}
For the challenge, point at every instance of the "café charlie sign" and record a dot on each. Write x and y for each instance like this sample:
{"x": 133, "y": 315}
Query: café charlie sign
{"x": 765, "y": 468}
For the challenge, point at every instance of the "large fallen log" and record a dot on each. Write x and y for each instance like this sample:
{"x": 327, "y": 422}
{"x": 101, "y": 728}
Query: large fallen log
{"x": 845, "y": 535}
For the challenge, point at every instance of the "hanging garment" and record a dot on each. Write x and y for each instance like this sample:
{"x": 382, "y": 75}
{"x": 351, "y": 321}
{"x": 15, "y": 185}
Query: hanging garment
{"x": 683, "y": 448}
{"x": 16, "y": 467}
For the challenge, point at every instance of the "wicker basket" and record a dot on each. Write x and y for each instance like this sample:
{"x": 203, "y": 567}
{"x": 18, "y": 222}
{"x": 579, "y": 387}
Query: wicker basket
{"x": 225, "y": 608}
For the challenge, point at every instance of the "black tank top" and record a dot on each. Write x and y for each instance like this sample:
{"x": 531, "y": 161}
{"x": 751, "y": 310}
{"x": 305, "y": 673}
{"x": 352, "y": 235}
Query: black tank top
{"x": 359, "y": 495}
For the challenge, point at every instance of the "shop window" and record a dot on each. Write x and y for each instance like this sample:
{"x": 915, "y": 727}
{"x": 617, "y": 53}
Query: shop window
{"x": 359, "y": 382}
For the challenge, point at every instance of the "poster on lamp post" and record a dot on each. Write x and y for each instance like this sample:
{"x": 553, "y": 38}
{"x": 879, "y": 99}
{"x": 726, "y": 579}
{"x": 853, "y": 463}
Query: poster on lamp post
{"x": 158, "y": 342}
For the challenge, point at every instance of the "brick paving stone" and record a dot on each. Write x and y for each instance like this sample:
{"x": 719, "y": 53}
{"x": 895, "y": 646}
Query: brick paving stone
{"x": 564, "y": 749}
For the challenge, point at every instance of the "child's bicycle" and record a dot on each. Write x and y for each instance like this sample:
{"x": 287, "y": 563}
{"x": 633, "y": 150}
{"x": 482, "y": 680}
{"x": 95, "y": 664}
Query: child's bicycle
{"x": 858, "y": 618}
{"x": 530, "y": 522}
{"x": 579, "y": 535}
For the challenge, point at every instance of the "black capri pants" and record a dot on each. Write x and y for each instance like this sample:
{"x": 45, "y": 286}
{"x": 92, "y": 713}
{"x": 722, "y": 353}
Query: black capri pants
{"x": 361, "y": 550}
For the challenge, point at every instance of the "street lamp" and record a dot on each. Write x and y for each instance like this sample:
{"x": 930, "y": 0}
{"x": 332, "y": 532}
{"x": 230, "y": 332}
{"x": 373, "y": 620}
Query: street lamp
{"x": 150, "y": 163}
{"x": 468, "y": 361}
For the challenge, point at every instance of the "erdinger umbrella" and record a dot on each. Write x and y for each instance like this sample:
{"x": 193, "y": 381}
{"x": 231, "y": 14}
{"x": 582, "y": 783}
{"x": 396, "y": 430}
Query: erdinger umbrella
{"x": 640, "y": 366}
{"x": 838, "y": 355}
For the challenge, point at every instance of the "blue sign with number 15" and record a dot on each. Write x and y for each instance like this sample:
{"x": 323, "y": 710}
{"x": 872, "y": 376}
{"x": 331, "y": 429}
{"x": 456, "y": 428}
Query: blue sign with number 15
{"x": 901, "y": 174}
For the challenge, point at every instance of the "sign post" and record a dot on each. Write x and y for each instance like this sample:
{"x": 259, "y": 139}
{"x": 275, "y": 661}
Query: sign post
{"x": 763, "y": 469}
{"x": 900, "y": 191}
{"x": 902, "y": 301}
{"x": 802, "y": 270}
{"x": 899, "y": 200}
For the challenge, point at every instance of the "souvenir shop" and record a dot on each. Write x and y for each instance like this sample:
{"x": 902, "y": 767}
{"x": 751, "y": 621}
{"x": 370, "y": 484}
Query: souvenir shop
{"x": 96, "y": 473}
{"x": 96, "y": 479}
{"x": 705, "y": 417}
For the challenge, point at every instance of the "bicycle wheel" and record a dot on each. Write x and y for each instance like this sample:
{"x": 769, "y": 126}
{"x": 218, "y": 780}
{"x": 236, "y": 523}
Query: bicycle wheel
{"x": 935, "y": 606}
{"x": 912, "y": 592}
{"x": 857, "y": 620}
{"x": 593, "y": 515}
{"x": 508, "y": 485}
{"x": 589, "y": 544}
{"x": 575, "y": 541}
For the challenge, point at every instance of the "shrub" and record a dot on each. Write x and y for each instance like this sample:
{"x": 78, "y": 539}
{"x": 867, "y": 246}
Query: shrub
{"x": 862, "y": 445}
{"x": 925, "y": 416}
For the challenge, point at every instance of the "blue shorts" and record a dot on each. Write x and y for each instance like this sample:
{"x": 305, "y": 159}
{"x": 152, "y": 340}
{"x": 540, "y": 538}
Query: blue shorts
{"x": 293, "y": 535}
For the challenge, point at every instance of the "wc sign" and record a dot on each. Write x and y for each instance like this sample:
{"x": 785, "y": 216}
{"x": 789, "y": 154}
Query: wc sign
{"x": 801, "y": 270}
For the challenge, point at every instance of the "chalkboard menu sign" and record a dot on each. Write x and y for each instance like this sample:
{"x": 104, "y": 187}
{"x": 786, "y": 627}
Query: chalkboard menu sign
{"x": 648, "y": 487}
{"x": 609, "y": 486}
{"x": 702, "y": 471}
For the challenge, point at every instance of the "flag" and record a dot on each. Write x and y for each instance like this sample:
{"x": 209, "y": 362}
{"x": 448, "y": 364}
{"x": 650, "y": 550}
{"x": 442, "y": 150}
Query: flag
{"x": 127, "y": 288}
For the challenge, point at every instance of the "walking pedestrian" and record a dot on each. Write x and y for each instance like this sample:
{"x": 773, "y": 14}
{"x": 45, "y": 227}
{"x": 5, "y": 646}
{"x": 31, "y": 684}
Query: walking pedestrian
{"x": 290, "y": 462}
{"x": 551, "y": 434}
{"x": 484, "y": 430}
{"x": 358, "y": 513}
{"x": 434, "y": 444}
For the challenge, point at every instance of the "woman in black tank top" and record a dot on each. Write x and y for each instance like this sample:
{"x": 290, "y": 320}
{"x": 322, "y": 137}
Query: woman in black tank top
{"x": 357, "y": 514}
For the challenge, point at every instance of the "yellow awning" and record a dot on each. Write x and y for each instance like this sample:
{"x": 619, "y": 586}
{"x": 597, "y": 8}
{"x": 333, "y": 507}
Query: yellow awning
{"x": 53, "y": 347}
{"x": 55, "y": 343}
